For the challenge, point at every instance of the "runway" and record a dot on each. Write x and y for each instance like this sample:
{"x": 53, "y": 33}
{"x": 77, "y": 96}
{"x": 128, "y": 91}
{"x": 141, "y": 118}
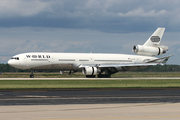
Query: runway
{"x": 88, "y": 96}
{"x": 140, "y": 78}
{"x": 91, "y": 104}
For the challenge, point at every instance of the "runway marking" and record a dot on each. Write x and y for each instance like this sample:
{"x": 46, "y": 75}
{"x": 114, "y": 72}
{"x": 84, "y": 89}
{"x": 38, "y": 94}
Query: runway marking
{"x": 143, "y": 117}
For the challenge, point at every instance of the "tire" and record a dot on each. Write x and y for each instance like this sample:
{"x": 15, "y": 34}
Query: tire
{"x": 31, "y": 76}
{"x": 104, "y": 75}
{"x": 90, "y": 76}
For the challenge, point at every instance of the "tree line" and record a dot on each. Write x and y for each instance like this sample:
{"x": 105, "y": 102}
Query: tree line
{"x": 157, "y": 68}
{"x": 8, "y": 68}
{"x": 160, "y": 68}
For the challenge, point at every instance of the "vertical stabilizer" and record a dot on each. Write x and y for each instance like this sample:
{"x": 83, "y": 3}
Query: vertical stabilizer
{"x": 155, "y": 38}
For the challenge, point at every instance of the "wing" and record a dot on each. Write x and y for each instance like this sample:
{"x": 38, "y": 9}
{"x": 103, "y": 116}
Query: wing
{"x": 127, "y": 67}
{"x": 114, "y": 68}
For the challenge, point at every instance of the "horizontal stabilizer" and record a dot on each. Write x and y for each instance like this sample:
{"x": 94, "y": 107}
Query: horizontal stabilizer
{"x": 165, "y": 59}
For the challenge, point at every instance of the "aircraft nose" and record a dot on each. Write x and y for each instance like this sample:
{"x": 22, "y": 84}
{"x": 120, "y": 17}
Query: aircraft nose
{"x": 15, "y": 63}
{"x": 10, "y": 62}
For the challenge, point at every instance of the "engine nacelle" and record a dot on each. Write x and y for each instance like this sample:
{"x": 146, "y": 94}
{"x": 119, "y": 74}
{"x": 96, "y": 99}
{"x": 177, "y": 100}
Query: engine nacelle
{"x": 90, "y": 70}
{"x": 148, "y": 50}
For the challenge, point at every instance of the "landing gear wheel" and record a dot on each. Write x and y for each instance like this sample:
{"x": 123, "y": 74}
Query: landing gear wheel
{"x": 104, "y": 75}
{"x": 90, "y": 76}
{"x": 108, "y": 76}
{"x": 31, "y": 76}
{"x": 100, "y": 76}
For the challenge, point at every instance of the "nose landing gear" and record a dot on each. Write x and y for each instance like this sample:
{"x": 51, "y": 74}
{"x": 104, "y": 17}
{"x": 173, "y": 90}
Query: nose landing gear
{"x": 31, "y": 76}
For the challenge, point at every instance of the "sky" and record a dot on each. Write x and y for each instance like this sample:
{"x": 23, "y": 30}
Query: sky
{"x": 97, "y": 26}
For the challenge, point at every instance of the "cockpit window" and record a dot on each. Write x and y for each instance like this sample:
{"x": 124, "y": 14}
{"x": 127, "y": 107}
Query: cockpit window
{"x": 16, "y": 58}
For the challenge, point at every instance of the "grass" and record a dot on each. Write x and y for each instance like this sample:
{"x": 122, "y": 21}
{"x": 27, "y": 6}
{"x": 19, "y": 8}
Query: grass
{"x": 80, "y": 75}
{"x": 95, "y": 83}
{"x": 66, "y": 84}
{"x": 40, "y": 75}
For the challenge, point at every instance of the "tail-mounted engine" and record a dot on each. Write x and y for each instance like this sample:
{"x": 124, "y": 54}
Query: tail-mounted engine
{"x": 150, "y": 50}
{"x": 90, "y": 70}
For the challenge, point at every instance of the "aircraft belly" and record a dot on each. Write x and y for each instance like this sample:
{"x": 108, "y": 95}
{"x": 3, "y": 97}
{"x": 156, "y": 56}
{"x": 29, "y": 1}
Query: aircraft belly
{"x": 66, "y": 66}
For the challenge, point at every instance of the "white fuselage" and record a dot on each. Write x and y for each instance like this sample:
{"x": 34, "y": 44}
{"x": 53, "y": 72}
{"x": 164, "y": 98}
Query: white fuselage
{"x": 71, "y": 61}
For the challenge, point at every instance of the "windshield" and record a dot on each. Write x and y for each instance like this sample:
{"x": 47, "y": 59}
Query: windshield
{"x": 16, "y": 58}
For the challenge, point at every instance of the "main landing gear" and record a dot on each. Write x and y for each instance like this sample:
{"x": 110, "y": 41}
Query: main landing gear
{"x": 104, "y": 75}
{"x": 31, "y": 76}
{"x": 107, "y": 74}
{"x": 99, "y": 76}
{"x": 90, "y": 76}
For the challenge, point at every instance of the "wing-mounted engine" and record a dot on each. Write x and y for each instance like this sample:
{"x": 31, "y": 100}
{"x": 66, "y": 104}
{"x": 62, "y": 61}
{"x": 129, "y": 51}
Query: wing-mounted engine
{"x": 150, "y": 50}
{"x": 90, "y": 70}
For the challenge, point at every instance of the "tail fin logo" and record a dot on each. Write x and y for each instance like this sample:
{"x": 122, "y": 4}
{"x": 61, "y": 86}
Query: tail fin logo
{"x": 155, "y": 38}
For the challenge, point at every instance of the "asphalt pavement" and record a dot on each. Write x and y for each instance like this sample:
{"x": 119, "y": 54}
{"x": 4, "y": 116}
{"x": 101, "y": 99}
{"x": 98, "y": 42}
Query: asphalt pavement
{"x": 88, "y": 96}
{"x": 90, "y": 104}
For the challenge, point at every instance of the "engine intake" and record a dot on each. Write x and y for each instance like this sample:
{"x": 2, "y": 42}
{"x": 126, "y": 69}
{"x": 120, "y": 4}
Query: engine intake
{"x": 148, "y": 50}
{"x": 90, "y": 70}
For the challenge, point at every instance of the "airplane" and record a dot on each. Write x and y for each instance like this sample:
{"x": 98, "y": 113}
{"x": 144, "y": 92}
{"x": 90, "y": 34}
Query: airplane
{"x": 92, "y": 64}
